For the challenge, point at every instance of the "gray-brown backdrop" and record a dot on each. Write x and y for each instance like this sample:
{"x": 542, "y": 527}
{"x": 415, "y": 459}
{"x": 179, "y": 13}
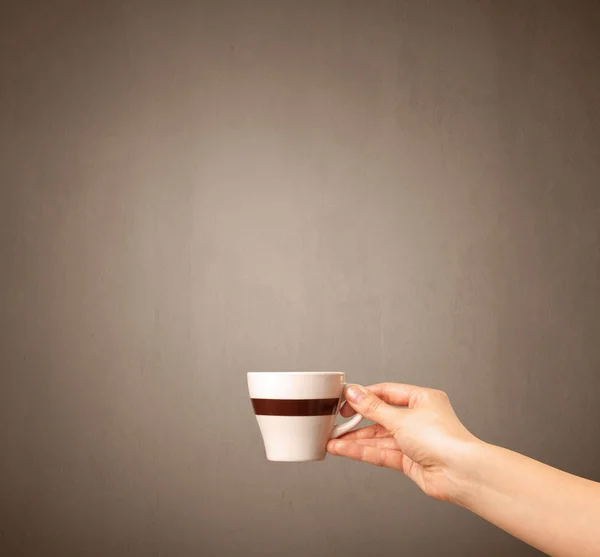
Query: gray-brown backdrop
{"x": 405, "y": 191}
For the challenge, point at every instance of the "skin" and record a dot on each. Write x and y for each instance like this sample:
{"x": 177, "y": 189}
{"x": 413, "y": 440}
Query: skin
{"x": 418, "y": 433}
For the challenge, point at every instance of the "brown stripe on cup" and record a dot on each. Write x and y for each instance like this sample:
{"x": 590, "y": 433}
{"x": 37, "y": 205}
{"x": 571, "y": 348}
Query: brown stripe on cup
{"x": 295, "y": 407}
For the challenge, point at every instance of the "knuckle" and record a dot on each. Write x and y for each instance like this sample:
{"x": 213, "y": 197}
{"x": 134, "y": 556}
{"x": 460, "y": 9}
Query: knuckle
{"x": 397, "y": 429}
{"x": 426, "y": 394}
{"x": 373, "y": 405}
{"x": 441, "y": 395}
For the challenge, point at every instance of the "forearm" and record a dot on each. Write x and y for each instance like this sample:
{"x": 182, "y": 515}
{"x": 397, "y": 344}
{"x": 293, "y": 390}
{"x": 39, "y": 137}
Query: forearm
{"x": 554, "y": 511}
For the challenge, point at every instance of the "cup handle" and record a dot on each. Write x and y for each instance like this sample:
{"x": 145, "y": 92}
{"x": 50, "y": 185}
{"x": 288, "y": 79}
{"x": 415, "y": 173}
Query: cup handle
{"x": 346, "y": 426}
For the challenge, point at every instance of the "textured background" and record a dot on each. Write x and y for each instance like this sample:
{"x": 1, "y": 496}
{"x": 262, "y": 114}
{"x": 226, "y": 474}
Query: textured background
{"x": 405, "y": 191}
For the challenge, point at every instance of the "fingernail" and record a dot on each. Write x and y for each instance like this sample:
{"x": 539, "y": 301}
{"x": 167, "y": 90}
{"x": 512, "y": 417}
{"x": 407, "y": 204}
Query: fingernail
{"x": 334, "y": 446}
{"x": 355, "y": 393}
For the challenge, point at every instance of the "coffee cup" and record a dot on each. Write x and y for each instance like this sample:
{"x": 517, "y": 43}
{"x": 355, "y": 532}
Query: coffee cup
{"x": 296, "y": 412}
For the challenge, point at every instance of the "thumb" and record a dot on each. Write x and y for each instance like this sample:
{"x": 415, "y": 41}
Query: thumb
{"x": 372, "y": 407}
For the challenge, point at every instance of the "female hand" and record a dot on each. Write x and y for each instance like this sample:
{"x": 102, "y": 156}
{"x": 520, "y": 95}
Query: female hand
{"x": 551, "y": 510}
{"x": 425, "y": 440}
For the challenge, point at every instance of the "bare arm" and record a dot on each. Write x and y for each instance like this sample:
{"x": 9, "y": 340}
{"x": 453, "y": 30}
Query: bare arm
{"x": 556, "y": 512}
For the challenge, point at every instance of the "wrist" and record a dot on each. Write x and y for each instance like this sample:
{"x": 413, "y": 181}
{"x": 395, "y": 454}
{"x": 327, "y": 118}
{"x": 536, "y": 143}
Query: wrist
{"x": 464, "y": 471}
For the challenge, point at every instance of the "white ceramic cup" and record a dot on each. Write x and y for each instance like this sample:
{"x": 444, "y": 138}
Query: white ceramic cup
{"x": 296, "y": 412}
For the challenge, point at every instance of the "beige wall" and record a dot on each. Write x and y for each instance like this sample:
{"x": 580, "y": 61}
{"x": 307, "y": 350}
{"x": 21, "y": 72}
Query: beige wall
{"x": 406, "y": 191}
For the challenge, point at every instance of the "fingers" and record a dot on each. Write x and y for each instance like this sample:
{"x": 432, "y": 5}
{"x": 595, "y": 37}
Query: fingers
{"x": 370, "y": 432}
{"x": 373, "y": 408}
{"x": 397, "y": 394}
{"x": 378, "y": 456}
{"x": 382, "y": 443}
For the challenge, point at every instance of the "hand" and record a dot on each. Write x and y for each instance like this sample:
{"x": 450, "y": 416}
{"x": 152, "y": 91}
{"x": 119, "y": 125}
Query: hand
{"x": 551, "y": 510}
{"x": 425, "y": 440}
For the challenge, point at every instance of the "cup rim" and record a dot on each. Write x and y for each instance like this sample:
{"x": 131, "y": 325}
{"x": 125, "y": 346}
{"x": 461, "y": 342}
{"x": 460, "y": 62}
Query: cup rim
{"x": 295, "y": 373}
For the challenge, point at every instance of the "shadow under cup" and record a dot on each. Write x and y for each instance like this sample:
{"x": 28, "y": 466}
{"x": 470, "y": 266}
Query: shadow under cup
{"x": 296, "y": 412}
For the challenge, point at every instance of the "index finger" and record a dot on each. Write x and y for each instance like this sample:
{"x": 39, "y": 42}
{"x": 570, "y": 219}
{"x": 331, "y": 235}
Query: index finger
{"x": 397, "y": 394}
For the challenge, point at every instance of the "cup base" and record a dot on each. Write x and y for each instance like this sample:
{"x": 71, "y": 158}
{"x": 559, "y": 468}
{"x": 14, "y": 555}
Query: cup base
{"x": 295, "y": 459}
